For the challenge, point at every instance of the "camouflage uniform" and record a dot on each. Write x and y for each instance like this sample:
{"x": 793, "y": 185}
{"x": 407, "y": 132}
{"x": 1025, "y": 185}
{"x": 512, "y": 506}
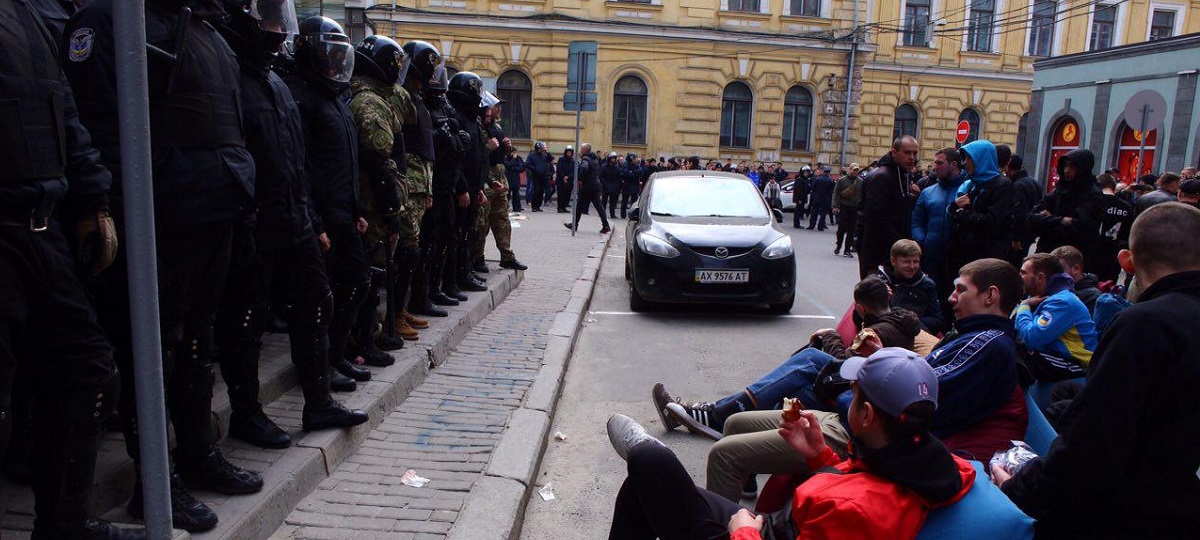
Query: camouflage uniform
{"x": 379, "y": 123}
{"x": 495, "y": 218}
{"x": 418, "y": 175}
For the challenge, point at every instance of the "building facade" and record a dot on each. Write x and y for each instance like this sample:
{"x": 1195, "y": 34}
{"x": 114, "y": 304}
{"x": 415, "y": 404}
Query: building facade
{"x": 769, "y": 79}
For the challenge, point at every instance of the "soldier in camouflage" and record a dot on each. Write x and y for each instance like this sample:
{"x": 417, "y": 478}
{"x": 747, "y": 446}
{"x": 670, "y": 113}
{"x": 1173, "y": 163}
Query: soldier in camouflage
{"x": 494, "y": 218}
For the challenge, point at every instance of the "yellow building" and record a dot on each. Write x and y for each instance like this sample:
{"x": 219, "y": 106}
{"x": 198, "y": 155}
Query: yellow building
{"x": 767, "y": 79}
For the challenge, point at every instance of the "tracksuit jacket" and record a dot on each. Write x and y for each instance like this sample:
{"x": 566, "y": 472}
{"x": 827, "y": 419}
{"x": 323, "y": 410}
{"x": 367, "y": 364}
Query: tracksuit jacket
{"x": 1060, "y": 330}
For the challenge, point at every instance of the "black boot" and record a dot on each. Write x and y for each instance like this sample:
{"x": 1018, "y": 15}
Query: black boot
{"x": 440, "y": 298}
{"x": 453, "y": 291}
{"x": 347, "y": 302}
{"x": 341, "y": 383}
{"x": 350, "y": 370}
{"x": 427, "y": 309}
{"x": 187, "y": 513}
{"x": 256, "y": 428}
{"x": 479, "y": 266}
{"x": 310, "y": 355}
{"x": 419, "y": 302}
{"x": 470, "y": 285}
{"x": 214, "y": 473}
{"x": 98, "y": 529}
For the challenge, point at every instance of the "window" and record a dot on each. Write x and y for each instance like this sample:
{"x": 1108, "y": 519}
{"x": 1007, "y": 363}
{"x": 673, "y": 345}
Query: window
{"x": 1041, "y": 27}
{"x": 736, "y": 103}
{"x": 979, "y": 31}
{"x": 971, "y": 117}
{"x": 1162, "y": 24}
{"x": 517, "y": 92}
{"x": 906, "y": 121}
{"x": 916, "y": 23}
{"x": 807, "y": 8}
{"x": 744, "y": 5}
{"x": 629, "y": 111}
{"x": 1103, "y": 25}
{"x": 797, "y": 118}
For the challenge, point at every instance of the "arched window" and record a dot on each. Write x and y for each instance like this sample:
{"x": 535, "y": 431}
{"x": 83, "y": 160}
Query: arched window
{"x": 797, "y": 118}
{"x": 736, "y": 104}
{"x": 517, "y": 92}
{"x": 629, "y": 110}
{"x": 971, "y": 117}
{"x": 906, "y": 121}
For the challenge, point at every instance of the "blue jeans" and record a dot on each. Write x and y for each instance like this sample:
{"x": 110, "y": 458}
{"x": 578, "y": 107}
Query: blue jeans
{"x": 793, "y": 378}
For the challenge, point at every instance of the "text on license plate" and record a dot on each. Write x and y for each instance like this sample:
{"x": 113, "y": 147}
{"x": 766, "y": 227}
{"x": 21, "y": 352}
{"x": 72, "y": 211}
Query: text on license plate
{"x": 722, "y": 276}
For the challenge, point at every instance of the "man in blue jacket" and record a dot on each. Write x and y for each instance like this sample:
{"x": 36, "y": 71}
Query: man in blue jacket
{"x": 1053, "y": 322}
{"x": 981, "y": 218}
{"x": 930, "y": 219}
{"x": 538, "y": 170}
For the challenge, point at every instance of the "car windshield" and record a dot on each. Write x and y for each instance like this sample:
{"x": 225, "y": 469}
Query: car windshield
{"x": 708, "y": 196}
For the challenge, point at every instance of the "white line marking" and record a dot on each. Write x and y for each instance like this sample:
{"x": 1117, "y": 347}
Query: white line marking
{"x": 821, "y": 317}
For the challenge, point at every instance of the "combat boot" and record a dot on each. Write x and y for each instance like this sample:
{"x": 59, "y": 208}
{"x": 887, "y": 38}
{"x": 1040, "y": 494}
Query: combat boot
{"x": 479, "y": 266}
{"x": 350, "y": 370}
{"x": 214, "y": 473}
{"x": 187, "y": 513}
{"x": 404, "y": 330}
{"x": 340, "y": 383}
{"x": 256, "y": 428}
{"x": 415, "y": 322}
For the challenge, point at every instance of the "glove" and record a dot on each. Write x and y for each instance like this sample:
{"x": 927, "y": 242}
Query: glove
{"x": 96, "y": 239}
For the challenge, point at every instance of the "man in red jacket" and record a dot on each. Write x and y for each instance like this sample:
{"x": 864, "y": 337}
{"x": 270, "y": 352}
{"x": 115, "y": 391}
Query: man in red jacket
{"x": 896, "y": 473}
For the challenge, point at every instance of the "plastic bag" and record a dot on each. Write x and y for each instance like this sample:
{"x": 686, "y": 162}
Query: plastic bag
{"x": 1013, "y": 459}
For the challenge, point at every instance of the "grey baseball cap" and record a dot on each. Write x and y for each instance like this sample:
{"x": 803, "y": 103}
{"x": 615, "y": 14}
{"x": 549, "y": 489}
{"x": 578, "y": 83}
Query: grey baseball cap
{"x": 893, "y": 378}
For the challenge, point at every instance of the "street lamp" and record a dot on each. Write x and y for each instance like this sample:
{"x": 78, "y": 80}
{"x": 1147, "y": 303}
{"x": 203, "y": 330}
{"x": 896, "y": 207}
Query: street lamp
{"x": 930, "y": 29}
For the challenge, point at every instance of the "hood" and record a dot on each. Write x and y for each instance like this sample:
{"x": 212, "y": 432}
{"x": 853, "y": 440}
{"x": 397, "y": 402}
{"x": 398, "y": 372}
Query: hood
{"x": 983, "y": 153}
{"x": 699, "y": 232}
{"x": 903, "y": 320}
{"x": 1059, "y": 283}
{"x": 1088, "y": 281}
{"x": 927, "y": 469}
{"x": 1084, "y": 162}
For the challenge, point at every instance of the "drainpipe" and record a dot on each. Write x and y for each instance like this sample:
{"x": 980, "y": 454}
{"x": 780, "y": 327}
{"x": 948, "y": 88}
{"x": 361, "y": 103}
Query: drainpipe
{"x": 849, "y": 86}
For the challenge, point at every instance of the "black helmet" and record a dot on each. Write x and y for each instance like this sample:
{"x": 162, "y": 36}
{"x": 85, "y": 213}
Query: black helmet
{"x": 465, "y": 92}
{"x": 631, "y": 156}
{"x": 425, "y": 59}
{"x": 324, "y": 48}
{"x": 262, "y": 25}
{"x": 382, "y": 58}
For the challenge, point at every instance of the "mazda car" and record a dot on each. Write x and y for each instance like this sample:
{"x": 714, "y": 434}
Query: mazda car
{"x": 707, "y": 237}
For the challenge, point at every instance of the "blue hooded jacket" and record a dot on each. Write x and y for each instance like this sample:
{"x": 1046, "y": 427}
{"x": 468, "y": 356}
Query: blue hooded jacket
{"x": 983, "y": 153}
{"x": 931, "y": 223}
{"x": 1060, "y": 330}
{"x": 984, "y": 228}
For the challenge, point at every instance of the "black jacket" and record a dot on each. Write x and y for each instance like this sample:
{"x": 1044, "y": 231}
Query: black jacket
{"x": 822, "y": 191}
{"x": 589, "y": 173}
{"x": 513, "y": 167}
{"x": 918, "y": 295}
{"x": 1116, "y": 217}
{"x": 1124, "y": 464}
{"x": 450, "y": 144}
{"x": 984, "y": 228}
{"x": 474, "y": 157}
{"x": 610, "y": 176}
{"x": 331, "y": 156}
{"x": 538, "y": 166}
{"x": 631, "y": 178}
{"x": 885, "y": 212}
{"x": 1026, "y": 194}
{"x": 1079, "y": 200}
{"x": 565, "y": 169}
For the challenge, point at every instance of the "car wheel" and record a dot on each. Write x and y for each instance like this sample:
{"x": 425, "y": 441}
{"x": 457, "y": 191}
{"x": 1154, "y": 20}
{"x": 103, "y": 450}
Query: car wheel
{"x": 636, "y": 302}
{"x": 783, "y": 307}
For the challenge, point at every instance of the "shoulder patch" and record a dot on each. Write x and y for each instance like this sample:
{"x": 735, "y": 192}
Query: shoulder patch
{"x": 1045, "y": 319}
{"x": 81, "y": 44}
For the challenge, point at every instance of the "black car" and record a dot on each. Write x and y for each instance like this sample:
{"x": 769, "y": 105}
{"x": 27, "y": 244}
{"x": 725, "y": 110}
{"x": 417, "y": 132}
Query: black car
{"x": 707, "y": 236}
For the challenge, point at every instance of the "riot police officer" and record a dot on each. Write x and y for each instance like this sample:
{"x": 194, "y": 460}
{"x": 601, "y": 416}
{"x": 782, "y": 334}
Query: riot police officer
{"x": 631, "y": 181}
{"x": 319, "y": 82}
{"x": 52, "y": 181}
{"x": 466, "y": 94}
{"x": 449, "y": 192}
{"x": 611, "y": 175}
{"x": 279, "y": 258}
{"x": 203, "y": 185}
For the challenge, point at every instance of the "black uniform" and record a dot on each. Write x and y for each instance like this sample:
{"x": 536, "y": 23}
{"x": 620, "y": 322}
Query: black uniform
{"x": 48, "y": 330}
{"x": 203, "y": 185}
{"x": 474, "y": 174}
{"x": 631, "y": 183}
{"x": 589, "y": 188}
{"x": 610, "y": 179}
{"x": 450, "y": 144}
{"x": 565, "y": 178}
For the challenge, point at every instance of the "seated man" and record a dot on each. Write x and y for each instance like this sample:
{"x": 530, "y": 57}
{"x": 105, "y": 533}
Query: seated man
{"x": 897, "y": 474}
{"x": 912, "y": 289}
{"x": 1052, "y": 322}
{"x": 895, "y": 328}
{"x": 1087, "y": 286}
{"x": 1101, "y": 477}
{"x": 983, "y": 407}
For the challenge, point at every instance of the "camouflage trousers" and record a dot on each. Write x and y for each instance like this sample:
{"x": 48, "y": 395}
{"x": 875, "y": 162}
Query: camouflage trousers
{"x": 494, "y": 218}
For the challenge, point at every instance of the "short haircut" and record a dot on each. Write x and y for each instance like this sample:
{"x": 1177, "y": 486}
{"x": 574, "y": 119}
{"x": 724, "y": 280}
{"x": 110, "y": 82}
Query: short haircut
{"x": 988, "y": 273}
{"x": 872, "y": 292}
{"x": 1106, "y": 181}
{"x": 1003, "y": 155}
{"x": 1148, "y": 179}
{"x": 1069, "y": 256}
{"x": 911, "y": 428}
{"x": 1168, "y": 178}
{"x": 951, "y": 154}
{"x": 905, "y": 248}
{"x": 901, "y": 139}
{"x": 1016, "y": 163}
{"x": 1163, "y": 237}
{"x": 1045, "y": 263}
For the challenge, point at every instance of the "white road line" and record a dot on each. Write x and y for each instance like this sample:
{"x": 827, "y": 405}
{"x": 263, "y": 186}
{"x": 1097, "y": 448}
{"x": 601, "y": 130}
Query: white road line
{"x": 822, "y": 317}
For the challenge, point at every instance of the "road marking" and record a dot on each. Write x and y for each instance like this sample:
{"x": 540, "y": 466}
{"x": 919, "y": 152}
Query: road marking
{"x": 615, "y": 256}
{"x": 821, "y": 317}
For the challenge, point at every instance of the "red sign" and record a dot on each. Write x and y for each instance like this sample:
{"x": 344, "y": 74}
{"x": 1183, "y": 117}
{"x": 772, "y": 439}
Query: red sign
{"x": 964, "y": 129}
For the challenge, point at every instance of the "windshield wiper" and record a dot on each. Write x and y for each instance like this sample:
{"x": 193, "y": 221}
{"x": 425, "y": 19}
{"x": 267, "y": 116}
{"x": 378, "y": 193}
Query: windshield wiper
{"x": 667, "y": 214}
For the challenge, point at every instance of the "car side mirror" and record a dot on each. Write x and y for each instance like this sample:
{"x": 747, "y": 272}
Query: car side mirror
{"x": 778, "y": 215}
{"x": 635, "y": 213}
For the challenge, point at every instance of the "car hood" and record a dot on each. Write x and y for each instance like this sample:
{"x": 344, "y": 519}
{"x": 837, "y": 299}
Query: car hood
{"x": 714, "y": 232}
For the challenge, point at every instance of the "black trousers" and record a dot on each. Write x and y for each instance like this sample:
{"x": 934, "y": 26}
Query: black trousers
{"x": 346, "y": 265}
{"x": 659, "y": 500}
{"x": 847, "y": 221}
{"x": 538, "y": 192}
{"x": 817, "y": 217}
{"x": 798, "y": 214}
{"x": 610, "y": 201}
{"x": 564, "y": 195}
{"x": 627, "y": 200}
{"x": 590, "y": 198}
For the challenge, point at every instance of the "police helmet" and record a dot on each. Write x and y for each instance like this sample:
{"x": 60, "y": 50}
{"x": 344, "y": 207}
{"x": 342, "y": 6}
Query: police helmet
{"x": 465, "y": 92}
{"x": 612, "y": 155}
{"x": 262, "y": 24}
{"x": 631, "y": 156}
{"x": 425, "y": 60}
{"x": 540, "y": 145}
{"x": 324, "y": 48}
{"x": 382, "y": 58}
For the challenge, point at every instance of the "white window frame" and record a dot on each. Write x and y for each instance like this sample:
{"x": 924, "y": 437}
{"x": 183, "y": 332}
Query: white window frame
{"x": 825, "y": 9}
{"x": 999, "y": 9}
{"x": 1057, "y": 38}
{"x": 764, "y": 7}
{"x": 934, "y": 5}
{"x": 1180, "y": 12}
{"x": 1118, "y": 24}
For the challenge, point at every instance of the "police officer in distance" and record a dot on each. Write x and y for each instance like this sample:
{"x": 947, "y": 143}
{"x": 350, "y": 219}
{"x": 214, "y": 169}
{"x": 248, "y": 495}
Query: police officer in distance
{"x": 52, "y": 182}
{"x": 203, "y": 186}
{"x": 279, "y": 258}
{"x": 466, "y": 94}
{"x": 319, "y": 83}
{"x": 589, "y": 188}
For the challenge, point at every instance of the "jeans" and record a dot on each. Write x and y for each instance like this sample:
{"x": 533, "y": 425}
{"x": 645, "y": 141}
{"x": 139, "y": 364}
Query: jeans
{"x": 793, "y": 378}
{"x": 659, "y": 500}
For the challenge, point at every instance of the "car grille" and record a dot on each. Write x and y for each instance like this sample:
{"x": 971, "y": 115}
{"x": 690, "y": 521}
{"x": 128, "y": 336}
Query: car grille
{"x": 717, "y": 289}
{"x": 733, "y": 251}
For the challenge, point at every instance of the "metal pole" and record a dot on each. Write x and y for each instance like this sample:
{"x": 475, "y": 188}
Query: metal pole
{"x": 133, "y": 97}
{"x": 1142, "y": 148}
{"x": 579, "y": 86}
{"x": 849, "y": 87}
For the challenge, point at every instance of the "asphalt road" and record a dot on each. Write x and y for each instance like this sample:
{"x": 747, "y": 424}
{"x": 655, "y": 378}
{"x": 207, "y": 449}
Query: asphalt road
{"x": 699, "y": 352}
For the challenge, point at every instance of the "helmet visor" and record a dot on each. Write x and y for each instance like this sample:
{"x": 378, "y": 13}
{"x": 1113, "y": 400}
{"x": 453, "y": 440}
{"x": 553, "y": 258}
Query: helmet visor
{"x": 334, "y": 57}
{"x": 488, "y": 99}
{"x": 275, "y": 16}
{"x": 403, "y": 62}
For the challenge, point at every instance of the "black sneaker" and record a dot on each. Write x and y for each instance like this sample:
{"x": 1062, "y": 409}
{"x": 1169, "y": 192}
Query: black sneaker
{"x": 187, "y": 513}
{"x": 661, "y": 399}
{"x": 697, "y": 418}
{"x": 98, "y": 529}
{"x": 605, "y": 230}
{"x": 214, "y": 473}
{"x": 257, "y": 429}
{"x": 750, "y": 488}
{"x": 513, "y": 265}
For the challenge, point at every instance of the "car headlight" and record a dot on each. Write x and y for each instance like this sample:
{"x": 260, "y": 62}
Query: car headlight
{"x": 778, "y": 249}
{"x": 653, "y": 245}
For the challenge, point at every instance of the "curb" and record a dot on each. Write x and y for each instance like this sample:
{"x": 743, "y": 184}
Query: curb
{"x": 495, "y": 507}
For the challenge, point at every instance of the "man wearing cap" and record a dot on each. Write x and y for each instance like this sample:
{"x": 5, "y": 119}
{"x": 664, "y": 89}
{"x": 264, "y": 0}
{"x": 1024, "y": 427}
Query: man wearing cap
{"x": 1189, "y": 192}
{"x": 896, "y": 472}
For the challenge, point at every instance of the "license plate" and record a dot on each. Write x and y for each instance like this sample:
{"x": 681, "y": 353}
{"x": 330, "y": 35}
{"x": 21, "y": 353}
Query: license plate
{"x": 722, "y": 276}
